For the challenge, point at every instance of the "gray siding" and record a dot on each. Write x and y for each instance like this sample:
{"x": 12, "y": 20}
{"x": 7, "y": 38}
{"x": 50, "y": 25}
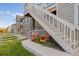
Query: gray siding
{"x": 38, "y": 26}
{"x": 66, "y": 11}
{"x": 26, "y": 24}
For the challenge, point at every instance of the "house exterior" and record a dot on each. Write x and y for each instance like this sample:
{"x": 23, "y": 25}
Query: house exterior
{"x": 12, "y": 29}
{"x": 60, "y": 20}
{"x": 68, "y": 11}
{"x": 30, "y": 23}
{"x": 19, "y": 24}
{"x": 9, "y": 29}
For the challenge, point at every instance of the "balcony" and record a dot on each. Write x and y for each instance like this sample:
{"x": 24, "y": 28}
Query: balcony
{"x": 45, "y": 5}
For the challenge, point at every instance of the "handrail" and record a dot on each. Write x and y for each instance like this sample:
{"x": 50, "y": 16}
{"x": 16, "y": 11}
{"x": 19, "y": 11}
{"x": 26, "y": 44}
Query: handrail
{"x": 60, "y": 19}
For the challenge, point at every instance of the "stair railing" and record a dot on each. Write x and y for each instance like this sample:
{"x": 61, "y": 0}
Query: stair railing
{"x": 68, "y": 32}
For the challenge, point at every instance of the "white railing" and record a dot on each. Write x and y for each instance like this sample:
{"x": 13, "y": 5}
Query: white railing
{"x": 70, "y": 32}
{"x": 45, "y": 5}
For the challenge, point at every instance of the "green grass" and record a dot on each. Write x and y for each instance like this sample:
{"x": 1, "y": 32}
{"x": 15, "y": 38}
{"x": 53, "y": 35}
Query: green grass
{"x": 13, "y": 48}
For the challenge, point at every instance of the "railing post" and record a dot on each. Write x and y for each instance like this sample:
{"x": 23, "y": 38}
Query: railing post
{"x": 57, "y": 24}
{"x": 78, "y": 37}
{"x": 70, "y": 37}
{"x": 64, "y": 32}
{"x": 59, "y": 27}
{"x": 46, "y": 17}
{"x": 74, "y": 39}
{"x": 49, "y": 20}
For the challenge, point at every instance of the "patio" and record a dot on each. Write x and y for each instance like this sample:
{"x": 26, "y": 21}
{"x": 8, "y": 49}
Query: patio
{"x": 41, "y": 50}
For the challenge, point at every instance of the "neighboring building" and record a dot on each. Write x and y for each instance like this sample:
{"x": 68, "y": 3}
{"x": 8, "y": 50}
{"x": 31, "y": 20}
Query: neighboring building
{"x": 60, "y": 20}
{"x": 12, "y": 29}
{"x": 9, "y": 29}
{"x": 26, "y": 24}
{"x": 19, "y": 24}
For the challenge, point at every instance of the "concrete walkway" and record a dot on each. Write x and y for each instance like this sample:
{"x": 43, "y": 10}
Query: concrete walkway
{"x": 40, "y": 50}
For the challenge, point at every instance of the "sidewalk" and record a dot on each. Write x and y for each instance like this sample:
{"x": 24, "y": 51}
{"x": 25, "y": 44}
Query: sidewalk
{"x": 40, "y": 50}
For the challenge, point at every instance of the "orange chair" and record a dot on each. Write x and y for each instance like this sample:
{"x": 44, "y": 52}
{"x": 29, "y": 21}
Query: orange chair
{"x": 44, "y": 38}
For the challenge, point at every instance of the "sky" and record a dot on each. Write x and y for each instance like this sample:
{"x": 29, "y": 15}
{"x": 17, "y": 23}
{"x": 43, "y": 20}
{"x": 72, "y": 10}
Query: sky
{"x": 8, "y": 12}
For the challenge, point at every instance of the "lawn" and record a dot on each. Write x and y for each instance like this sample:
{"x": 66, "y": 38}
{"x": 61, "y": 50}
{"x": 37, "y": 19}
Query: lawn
{"x": 13, "y": 47}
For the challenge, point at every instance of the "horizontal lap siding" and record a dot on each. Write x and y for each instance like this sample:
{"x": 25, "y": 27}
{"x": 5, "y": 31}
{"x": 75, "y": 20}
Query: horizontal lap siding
{"x": 38, "y": 26}
{"x": 66, "y": 11}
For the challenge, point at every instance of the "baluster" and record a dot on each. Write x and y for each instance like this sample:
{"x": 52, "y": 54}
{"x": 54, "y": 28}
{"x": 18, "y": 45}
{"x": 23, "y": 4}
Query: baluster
{"x": 53, "y": 21}
{"x": 60, "y": 27}
{"x": 46, "y": 17}
{"x": 74, "y": 39}
{"x": 70, "y": 37}
{"x": 61, "y": 30}
{"x": 42, "y": 15}
{"x": 57, "y": 24}
{"x": 78, "y": 37}
{"x": 49, "y": 20}
{"x": 37, "y": 13}
{"x": 65, "y": 33}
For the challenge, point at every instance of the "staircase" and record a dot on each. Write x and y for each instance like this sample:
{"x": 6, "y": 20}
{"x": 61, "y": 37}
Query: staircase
{"x": 64, "y": 33}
